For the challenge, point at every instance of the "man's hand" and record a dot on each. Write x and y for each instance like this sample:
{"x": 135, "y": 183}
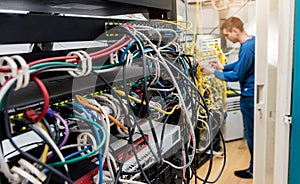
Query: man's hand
{"x": 207, "y": 69}
{"x": 216, "y": 64}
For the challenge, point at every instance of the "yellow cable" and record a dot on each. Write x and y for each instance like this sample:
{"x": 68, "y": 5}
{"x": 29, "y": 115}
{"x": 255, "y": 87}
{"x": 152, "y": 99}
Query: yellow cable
{"x": 122, "y": 93}
{"x": 183, "y": 28}
{"x": 46, "y": 147}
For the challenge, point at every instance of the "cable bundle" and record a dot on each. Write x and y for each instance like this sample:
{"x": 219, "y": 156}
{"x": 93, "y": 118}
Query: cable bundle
{"x": 120, "y": 131}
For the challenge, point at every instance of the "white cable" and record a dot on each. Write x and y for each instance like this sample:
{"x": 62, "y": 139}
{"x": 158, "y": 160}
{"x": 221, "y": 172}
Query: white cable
{"x": 172, "y": 41}
{"x": 183, "y": 105}
{"x": 118, "y": 105}
{"x": 115, "y": 68}
{"x": 106, "y": 127}
{"x": 50, "y": 140}
{"x": 73, "y": 145}
{"x": 62, "y": 69}
{"x": 102, "y": 99}
{"x": 29, "y": 167}
{"x": 157, "y": 72}
{"x": 23, "y": 73}
{"x": 107, "y": 140}
{"x": 25, "y": 175}
{"x": 130, "y": 181}
{"x": 115, "y": 102}
{"x": 109, "y": 166}
{"x": 10, "y": 64}
{"x": 84, "y": 138}
{"x": 4, "y": 168}
{"x": 148, "y": 28}
{"x": 109, "y": 173}
{"x": 209, "y": 136}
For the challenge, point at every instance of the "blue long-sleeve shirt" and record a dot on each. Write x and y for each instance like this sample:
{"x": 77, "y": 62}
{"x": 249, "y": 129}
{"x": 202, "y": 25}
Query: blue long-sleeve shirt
{"x": 242, "y": 70}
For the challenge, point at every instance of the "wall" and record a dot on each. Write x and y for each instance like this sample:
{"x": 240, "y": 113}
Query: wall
{"x": 208, "y": 16}
{"x": 274, "y": 30}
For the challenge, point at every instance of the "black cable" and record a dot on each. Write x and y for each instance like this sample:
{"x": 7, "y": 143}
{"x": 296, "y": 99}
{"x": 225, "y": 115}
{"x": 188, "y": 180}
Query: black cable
{"x": 48, "y": 181}
{"x": 126, "y": 117}
{"x": 120, "y": 172}
{"x": 223, "y": 165}
{"x": 208, "y": 119}
{"x": 29, "y": 124}
{"x": 57, "y": 132}
{"x": 26, "y": 155}
{"x": 46, "y": 123}
{"x": 121, "y": 164}
{"x": 136, "y": 156}
{"x": 145, "y": 95}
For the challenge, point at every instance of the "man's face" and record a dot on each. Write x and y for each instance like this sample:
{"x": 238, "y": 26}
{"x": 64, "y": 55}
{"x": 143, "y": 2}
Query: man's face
{"x": 232, "y": 36}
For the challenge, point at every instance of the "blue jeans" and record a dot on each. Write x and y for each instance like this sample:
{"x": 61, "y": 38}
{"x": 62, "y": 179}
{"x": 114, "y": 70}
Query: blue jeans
{"x": 247, "y": 109}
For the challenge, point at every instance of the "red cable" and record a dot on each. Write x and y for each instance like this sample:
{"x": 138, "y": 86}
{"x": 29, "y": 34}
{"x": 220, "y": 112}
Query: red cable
{"x": 108, "y": 48}
{"x": 94, "y": 55}
{"x": 43, "y": 88}
{"x": 5, "y": 69}
{"x": 52, "y": 59}
{"x": 112, "y": 50}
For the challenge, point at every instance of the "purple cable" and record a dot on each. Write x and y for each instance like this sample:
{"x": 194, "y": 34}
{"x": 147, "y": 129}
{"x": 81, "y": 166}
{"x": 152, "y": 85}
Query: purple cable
{"x": 64, "y": 122}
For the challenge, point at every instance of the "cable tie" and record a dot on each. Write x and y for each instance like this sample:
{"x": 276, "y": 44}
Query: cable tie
{"x": 89, "y": 63}
{"x": 31, "y": 169}
{"x": 23, "y": 73}
{"x": 25, "y": 175}
{"x": 114, "y": 58}
{"x": 7, "y": 62}
{"x": 85, "y": 66}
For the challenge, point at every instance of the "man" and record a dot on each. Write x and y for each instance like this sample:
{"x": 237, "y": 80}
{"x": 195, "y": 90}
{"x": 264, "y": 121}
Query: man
{"x": 243, "y": 71}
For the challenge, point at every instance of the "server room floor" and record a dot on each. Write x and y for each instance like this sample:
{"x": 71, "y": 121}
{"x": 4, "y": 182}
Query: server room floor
{"x": 237, "y": 158}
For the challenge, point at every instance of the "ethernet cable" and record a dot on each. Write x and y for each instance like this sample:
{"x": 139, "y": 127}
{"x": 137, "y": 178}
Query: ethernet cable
{"x": 25, "y": 154}
{"x": 82, "y": 101}
{"x": 181, "y": 98}
{"x": 98, "y": 138}
{"x": 88, "y": 154}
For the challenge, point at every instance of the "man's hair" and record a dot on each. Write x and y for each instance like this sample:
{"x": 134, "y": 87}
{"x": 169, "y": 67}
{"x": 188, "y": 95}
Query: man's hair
{"x": 233, "y": 22}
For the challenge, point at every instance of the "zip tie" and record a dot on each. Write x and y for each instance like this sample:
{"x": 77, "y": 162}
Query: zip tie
{"x": 25, "y": 175}
{"x": 23, "y": 74}
{"x": 129, "y": 58}
{"x": 10, "y": 65}
{"x": 29, "y": 167}
{"x": 88, "y": 62}
{"x": 114, "y": 58}
{"x": 12, "y": 178}
{"x": 82, "y": 69}
{"x": 85, "y": 63}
